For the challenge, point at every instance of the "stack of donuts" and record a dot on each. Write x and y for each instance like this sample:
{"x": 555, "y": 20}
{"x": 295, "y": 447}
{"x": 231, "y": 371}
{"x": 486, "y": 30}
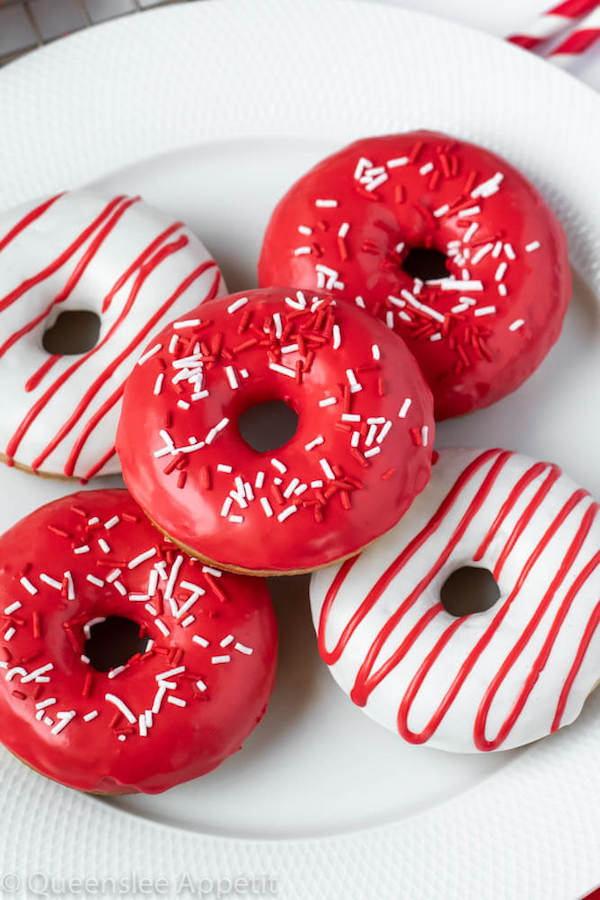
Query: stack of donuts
{"x": 405, "y": 279}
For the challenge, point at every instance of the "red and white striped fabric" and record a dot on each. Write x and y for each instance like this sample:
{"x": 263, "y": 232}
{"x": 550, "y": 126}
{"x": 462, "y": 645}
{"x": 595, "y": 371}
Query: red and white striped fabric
{"x": 552, "y": 23}
{"x": 580, "y": 40}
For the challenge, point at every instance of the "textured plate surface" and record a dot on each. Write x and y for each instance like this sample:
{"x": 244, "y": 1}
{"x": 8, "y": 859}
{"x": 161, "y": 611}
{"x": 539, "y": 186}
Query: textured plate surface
{"x": 357, "y": 814}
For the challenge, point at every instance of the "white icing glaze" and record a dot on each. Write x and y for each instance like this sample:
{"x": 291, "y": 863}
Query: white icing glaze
{"x": 538, "y": 689}
{"x": 155, "y": 259}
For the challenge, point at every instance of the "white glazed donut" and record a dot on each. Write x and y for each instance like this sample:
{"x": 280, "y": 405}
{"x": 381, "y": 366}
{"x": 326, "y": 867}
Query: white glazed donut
{"x": 132, "y": 266}
{"x": 490, "y": 680}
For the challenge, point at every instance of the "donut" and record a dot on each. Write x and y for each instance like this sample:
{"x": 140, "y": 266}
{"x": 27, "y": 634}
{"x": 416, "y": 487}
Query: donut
{"x": 446, "y": 242}
{"x": 183, "y": 702}
{"x": 494, "y": 679}
{"x": 115, "y": 257}
{"x": 360, "y": 453}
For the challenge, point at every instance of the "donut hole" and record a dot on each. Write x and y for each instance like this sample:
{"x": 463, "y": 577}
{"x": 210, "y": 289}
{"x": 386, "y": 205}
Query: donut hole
{"x": 268, "y": 425}
{"x": 426, "y": 263}
{"x": 75, "y": 331}
{"x": 113, "y": 642}
{"x": 469, "y": 590}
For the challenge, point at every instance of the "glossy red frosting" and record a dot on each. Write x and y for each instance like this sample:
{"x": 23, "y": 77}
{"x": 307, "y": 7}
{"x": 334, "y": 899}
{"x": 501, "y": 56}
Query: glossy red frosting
{"x": 351, "y": 221}
{"x": 361, "y": 452}
{"x": 208, "y": 674}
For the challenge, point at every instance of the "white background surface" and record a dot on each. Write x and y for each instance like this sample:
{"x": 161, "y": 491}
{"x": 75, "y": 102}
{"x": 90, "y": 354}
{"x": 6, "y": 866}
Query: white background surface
{"x": 105, "y": 99}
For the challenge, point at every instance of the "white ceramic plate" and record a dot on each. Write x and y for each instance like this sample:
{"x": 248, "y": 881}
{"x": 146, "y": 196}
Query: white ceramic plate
{"x": 239, "y": 98}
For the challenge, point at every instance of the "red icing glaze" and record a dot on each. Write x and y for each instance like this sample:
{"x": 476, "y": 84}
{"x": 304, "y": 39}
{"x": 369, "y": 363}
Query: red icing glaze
{"x": 359, "y": 212}
{"x": 219, "y": 648}
{"x": 340, "y": 482}
{"x": 369, "y": 677}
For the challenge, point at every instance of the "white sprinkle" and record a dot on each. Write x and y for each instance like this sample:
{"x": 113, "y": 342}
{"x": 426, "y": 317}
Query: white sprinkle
{"x": 360, "y": 302}
{"x": 372, "y": 452}
{"x": 278, "y": 325}
{"x": 231, "y": 377}
{"x": 116, "y": 671}
{"x": 283, "y": 370}
{"x": 344, "y": 229}
{"x": 70, "y": 586}
{"x": 188, "y": 621}
{"x": 489, "y": 187}
{"x": 200, "y": 395}
{"x": 241, "y": 648}
{"x": 187, "y": 323}
{"x": 396, "y": 301}
{"x": 534, "y": 245}
{"x": 436, "y": 337}
{"x": 158, "y": 383}
{"x": 384, "y": 430}
{"x": 65, "y": 718}
{"x": 85, "y": 659}
{"x": 110, "y": 523}
{"x": 103, "y": 545}
{"x": 473, "y": 227}
{"x": 425, "y": 434}
{"x": 227, "y": 641}
{"x": 404, "y": 408}
{"x": 355, "y": 439}
{"x": 500, "y": 271}
{"x": 327, "y": 469}
{"x": 226, "y": 508}
{"x": 350, "y": 417}
{"x": 518, "y": 323}
{"x": 441, "y": 210}
{"x": 304, "y": 229}
{"x": 122, "y": 707}
{"x": 138, "y": 560}
{"x": 266, "y": 507}
{"x": 51, "y": 582}
{"x": 237, "y": 520}
{"x": 287, "y": 512}
{"x": 426, "y": 169}
{"x": 173, "y": 577}
{"x": 337, "y": 337}
{"x": 471, "y": 211}
{"x": 37, "y": 674}
{"x": 300, "y": 489}
{"x": 289, "y": 348}
{"x": 329, "y": 401}
{"x": 370, "y": 435}
{"x": 502, "y": 289}
{"x": 326, "y": 203}
{"x": 237, "y": 304}
{"x": 216, "y": 430}
{"x": 200, "y": 640}
{"x": 142, "y": 725}
{"x": 200, "y": 685}
{"x": 176, "y": 701}
{"x": 9, "y": 633}
{"x": 149, "y": 353}
{"x": 459, "y": 308}
{"x": 139, "y": 598}
{"x": 173, "y": 343}
{"x": 316, "y": 442}
{"x": 316, "y": 484}
{"x": 151, "y": 609}
{"x": 162, "y": 627}
{"x": 216, "y": 572}
{"x": 249, "y": 491}
{"x": 183, "y": 404}
{"x": 215, "y": 660}
{"x": 43, "y": 704}
{"x": 291, "y": 488}
{"x": 362, "y": 164}
{"x": 375, "y": 351}
{"x": 485, "y": 311}
{"x": 259, "y": 480}
{"x": 509, "y": 251}
{"x": 453, "y": 284}
{"x": 91, "y": 715}
{"x": 29, "y": 587}
{"x": 352, "y": 379}
{"x": 279, "y": 465}
{"x": 170, "y": 673}
{"x": 94, "y": 580}
{"x": 481, "y": 252}
{"x": 394, "y": 163}
{"x": 223, "y": 468}
{"x": 120, "y": 588}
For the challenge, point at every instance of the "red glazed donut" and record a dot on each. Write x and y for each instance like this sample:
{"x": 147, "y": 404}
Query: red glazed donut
{"x": 174, "y": 711}
{"x": 361, "y": 451}
{"x": 361, "y": 223}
